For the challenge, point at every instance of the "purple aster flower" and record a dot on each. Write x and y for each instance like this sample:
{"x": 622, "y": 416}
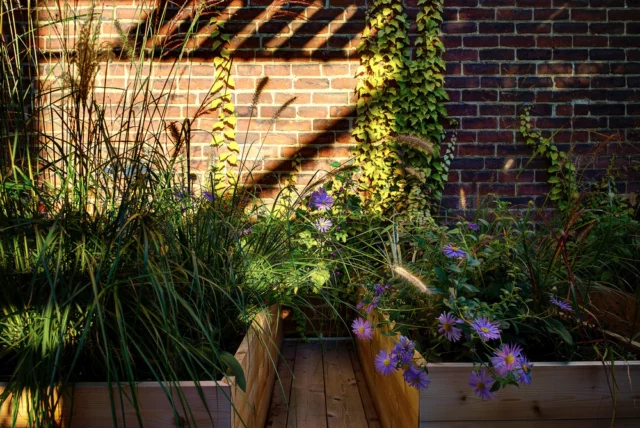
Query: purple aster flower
{"x": 385, "y": 363}
{"x": 374, "y": 304}
{"x": 416, "y": 377}
{"x": 482, "y": 382}
{"x": 246, "y": 231}
{"x": 403, "y": 350}
{"x": 321, "y": 200}
{"x": 362, "y": 329}
{"x": 561, "y": 304}
{"x": 379, "y": 289}
{"x": 181, "y": 194}
{"x": 473, "y": 226}
{"x": 208, "y": 195}
{"x": 486, "y": 329}
{"x": 323, "y": 225}
{"x": 454, "y": 251}
{"x": 360, "y": 305}
{"x": 448, "y": 327}
{"x": 523, "y": 370}
{"x": 506, "y": 359}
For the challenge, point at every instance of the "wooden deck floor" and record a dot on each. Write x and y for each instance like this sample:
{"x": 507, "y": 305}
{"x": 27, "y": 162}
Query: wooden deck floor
{"x": 321, "y": 386}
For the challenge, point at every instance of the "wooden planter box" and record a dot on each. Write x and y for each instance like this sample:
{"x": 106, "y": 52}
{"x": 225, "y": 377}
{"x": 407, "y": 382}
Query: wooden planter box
{"x": 258, "y": 355}
{"x": 561, "y": 395}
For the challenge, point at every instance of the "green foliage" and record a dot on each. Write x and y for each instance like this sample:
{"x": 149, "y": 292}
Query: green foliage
{"x": 510, "y": 269}
{"x": 563, "y": 175}
{"x": 400, "y": 92}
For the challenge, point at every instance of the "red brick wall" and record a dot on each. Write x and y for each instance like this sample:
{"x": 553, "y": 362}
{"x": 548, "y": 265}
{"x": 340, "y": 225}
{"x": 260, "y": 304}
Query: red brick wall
{"x": 576, "y": 62}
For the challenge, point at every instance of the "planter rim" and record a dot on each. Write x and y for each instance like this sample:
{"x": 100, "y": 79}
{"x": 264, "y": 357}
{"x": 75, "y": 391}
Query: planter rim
{"x": 547, "y": 364}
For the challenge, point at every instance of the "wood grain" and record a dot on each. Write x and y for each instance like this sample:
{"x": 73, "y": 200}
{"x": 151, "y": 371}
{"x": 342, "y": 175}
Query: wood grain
{"x": 558, "y": 391}
{"x": 396, "y": 403}
{"x": 344, "y": 406}
{"x": 281, "y": 395}
{"x": 367, "y": 401}
{"x": 308, "y": 409}
{"x": 205, "y": 404}
{"x": 567, "y": 423}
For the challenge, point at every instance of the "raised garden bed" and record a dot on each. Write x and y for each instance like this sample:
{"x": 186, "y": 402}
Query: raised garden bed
{"x": 560, "y": 395}
{"x": 224, "y": 404}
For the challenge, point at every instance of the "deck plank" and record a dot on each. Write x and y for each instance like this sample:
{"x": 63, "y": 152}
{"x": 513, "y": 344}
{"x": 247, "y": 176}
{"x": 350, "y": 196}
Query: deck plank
{"x": 281, "y": 395}
{"x": 308, "y": 405}
{"x": 344, "y": 406}
{"x": 367, "y": 402}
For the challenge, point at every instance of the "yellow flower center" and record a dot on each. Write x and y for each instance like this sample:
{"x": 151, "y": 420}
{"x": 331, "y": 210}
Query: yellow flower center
{"x": 509, "y": 359}
{"x": 525, "y": 369}
{"x": 361, "y": 330}
{"x": 484, "y": 329}
{"x": 446, "y": 327}
{"x": 480, "y": 385}
{"x": 386, "y": 362}
{"x": 455, "y": 247}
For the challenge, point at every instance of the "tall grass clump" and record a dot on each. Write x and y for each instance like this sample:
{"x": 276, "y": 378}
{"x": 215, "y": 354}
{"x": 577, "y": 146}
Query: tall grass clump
{"x": 114, "y": 266}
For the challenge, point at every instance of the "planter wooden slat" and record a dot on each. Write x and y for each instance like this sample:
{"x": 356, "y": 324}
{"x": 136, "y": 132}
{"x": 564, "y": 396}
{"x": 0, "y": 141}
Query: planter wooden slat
{"x": 558, "y": 391}
{"x": 561, "y": 395}
{"x": 257, "y": 354}
{"x": 566, "y": 423}
{"x": 396, "y": 402}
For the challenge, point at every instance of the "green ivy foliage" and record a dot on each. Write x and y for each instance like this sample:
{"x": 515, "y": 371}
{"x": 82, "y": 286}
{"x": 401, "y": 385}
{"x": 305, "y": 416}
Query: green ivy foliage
{"x": 562, "y": 171}
{"x": 401, "y": 92}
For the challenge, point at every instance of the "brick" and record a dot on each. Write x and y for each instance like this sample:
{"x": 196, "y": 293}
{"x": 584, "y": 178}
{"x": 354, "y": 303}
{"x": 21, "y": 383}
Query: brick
{"x": 623, "y": 42}
{"x": 608, "y": 109}
{"x": 592, "y": 68}
{"x": 479, "y": 123}
{"x": 551, "y": 14}
{"x": 309, "y": 83}
{"x": 479, "y": 95}
{"x": 533, "y": 28}
{"x": 601, "y": 28}
{"x": 496, "y": 27}
{"x": 607, "y": 82}
{"x": 497, "y": 54}
{"x": 533, "y": 3}
{"x": 458, "y": 27}
{"x": 312, "y": 112}
{"x": 517, "y": 68}
{"x": 588, "y": 15}
{"x": 607, "y": 3}
{"x": 591, "y": 41}
{"x": 534, "y": 54}
{"x": 498, "y": 82}
{"x": 535, "y": 82}
{"x": 572, "y": 82}
{"x": 554, "y": 41}
{"x": 626, "y": 68}
{"x": 518, "y": 96}
{"x": 555, "y": 69}
{"x": 478, "y": 69}
{"x": 462, "y": 109}
{"x": 460, "y": 55}
{"x": 570, "y": 54}
{"x": 462, "y": 82}
{"x": 497, "y": 110}
{"x": 570, "y": 28}
{"x": 343, "y": 83}
{"x": 475, "y": 150}
{"x": 624, "y": 15}
{"x": 514, "y": 14}
{"x": 451, "y": 42}
{"x": 476, "y": 14}
{"x": 517, "y": 41}
{"x": 606, "y": 54}
{"x": 480, "y": 41}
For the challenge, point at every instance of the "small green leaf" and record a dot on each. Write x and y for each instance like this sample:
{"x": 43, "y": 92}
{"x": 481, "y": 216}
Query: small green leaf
{"x": 234, "y": 368}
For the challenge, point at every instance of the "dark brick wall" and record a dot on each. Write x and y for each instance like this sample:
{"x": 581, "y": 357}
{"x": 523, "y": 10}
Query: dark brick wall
{"x": 576, "y": 63}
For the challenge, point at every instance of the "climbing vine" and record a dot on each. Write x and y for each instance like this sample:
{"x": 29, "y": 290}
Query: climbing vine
{"x": 400, "y": 109}
{"x": 562, "y": 172}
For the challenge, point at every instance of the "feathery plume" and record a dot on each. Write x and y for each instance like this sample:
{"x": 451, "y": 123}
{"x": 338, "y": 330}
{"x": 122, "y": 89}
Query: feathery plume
{"x": 417, "y": 143}
{"x": 410, "y": 278}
